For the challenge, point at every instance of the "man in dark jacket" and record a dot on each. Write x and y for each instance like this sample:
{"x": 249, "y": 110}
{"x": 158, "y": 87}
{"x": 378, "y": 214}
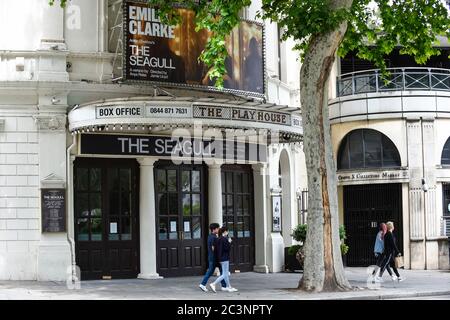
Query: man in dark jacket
{"x": 223, "y": 246}
{"x": 214, "y": 227}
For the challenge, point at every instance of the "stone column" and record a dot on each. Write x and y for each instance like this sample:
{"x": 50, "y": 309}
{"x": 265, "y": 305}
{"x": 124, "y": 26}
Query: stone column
{"x": 215, "y": 193}
{"x": 54, "y": 252}
{"x": 52, "y": 52}
{"x": 431, "y": 216}
{"x": 53, "y": 28}
{"x": 147, "y": 220}
{"x": 261, "y": 220}
{"x": 416, "y": 194}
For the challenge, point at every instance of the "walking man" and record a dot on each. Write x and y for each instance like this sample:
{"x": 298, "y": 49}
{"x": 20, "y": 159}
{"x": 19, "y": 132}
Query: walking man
{"x": 214, "y": 228}
{"x": 223, "y": 254}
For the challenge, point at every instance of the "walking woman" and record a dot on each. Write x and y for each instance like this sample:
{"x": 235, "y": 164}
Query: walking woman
{"x": 390, "y": 252}
{"x": 222, "y": 249}
{"x": 379, "y": 248}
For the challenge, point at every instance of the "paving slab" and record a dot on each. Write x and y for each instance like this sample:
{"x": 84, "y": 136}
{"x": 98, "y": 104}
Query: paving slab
{"x": 251, "y": 285}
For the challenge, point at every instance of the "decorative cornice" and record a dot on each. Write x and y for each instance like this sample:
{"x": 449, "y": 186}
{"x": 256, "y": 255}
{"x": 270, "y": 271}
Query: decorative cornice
{"x": 53, "y": 181}
{"x": 51, "y": 122}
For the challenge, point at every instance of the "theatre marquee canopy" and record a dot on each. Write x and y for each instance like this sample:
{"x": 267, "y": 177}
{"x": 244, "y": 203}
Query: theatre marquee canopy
{"x": 158, "y": 113}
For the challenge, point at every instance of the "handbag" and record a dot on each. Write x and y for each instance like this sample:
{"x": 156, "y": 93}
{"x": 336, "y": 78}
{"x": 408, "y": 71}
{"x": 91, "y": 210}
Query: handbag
{"x": 399, "y": 262}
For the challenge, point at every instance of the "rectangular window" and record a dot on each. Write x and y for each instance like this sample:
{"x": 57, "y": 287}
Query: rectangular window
{"x": 282, "y": 67}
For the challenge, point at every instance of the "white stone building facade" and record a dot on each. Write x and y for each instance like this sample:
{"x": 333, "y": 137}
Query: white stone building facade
{"x": 56, "y": 66}
{"x": 388, "y": 138}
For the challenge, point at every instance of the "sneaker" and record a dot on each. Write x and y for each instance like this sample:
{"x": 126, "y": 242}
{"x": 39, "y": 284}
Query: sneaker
{"x": 224, "y": 289}
{"x": 400, "y": 279}
{"x": 213, "y": 287}
{"x": 203, "y": 288}
{"x": 394, "y": 278}
{"x": 231, "y": 289}
{"x": 378, "y": 279}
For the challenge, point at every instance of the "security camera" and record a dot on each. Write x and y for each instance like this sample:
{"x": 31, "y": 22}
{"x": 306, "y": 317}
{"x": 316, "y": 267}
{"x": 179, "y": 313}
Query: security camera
{"x": 424, "y": 186}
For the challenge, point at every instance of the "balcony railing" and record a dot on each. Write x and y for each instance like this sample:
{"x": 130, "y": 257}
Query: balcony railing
{"x": 398, "y": 79}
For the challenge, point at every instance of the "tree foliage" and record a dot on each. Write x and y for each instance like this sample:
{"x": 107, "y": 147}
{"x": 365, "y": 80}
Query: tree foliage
{"x": 374, "y": 27}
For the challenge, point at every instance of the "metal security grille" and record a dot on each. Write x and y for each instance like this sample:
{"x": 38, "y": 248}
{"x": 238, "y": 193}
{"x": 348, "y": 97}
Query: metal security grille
{"x": 365, "y": 207}
{"x": 447, "y": 226}
{"x": 446, "y": 207}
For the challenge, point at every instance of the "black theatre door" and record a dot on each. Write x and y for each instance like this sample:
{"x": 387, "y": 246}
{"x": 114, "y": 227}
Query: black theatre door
{"x": 106, "y": 218}
{"x": 238, "y": 215}
{"x": 180, "y": 193}
{"x": 365, "y": 207}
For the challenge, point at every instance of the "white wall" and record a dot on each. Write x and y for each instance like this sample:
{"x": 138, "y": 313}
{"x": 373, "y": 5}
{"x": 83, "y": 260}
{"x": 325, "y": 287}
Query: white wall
{"x": 19, "y": 197}
{"x": 18, "y": 21}
{"x": 82, "y": 17}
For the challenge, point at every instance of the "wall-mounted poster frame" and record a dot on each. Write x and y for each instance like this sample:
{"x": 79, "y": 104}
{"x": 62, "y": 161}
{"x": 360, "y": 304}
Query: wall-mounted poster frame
{"x": 276, "y": 212}
{"x": 247, "y": 40}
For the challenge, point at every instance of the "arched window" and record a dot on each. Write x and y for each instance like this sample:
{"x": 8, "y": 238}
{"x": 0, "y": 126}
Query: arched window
{"x": 367, "y": 148}
{"x": 445, "y": 157}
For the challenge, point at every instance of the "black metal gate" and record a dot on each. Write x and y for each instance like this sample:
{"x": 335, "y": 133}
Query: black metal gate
{"x": 365, "y": 207}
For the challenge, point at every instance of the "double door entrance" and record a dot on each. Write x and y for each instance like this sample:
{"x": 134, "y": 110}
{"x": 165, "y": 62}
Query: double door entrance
{"x": 106, "y": 218}
{"x": 365, "y": 207}
{"x": 238, "y": 215}
{"x": 182, "y": 217}
{"x": 106, "y": 199}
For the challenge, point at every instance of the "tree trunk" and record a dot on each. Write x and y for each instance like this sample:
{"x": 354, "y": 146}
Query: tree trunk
{"x": 323, "y": 268}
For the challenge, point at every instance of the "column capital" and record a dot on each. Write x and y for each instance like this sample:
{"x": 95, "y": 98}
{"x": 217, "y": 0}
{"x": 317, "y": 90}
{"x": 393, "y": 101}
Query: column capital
{"x": 260, "y": 167}
{"x": 51, "y": 122}
{"x": 146, "y": 161}
{"x": 216, "y": 164}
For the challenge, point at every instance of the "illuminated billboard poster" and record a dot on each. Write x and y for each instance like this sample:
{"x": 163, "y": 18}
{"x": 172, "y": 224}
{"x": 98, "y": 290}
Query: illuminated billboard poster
{"x": 170, "y": 54}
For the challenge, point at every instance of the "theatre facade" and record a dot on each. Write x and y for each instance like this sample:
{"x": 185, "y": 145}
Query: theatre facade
{"x": 116, "y": 151}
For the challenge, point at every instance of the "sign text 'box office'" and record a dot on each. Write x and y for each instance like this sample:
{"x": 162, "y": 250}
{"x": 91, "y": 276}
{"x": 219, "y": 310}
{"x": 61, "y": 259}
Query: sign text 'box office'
{"x": 197, "y": 112}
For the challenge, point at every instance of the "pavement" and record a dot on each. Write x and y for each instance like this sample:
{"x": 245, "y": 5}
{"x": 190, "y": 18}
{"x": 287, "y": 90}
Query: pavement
{"x": 419, "y": 284}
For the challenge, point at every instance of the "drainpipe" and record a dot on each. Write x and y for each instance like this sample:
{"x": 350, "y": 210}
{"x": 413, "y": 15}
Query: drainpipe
{"x": 424, "y": 197}
{"x": 70, "y": 215}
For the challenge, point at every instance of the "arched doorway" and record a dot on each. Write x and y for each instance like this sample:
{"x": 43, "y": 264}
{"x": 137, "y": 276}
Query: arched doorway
{"x": 367, "y": 205}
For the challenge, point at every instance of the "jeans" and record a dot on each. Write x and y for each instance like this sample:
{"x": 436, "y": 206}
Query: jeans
{"x": 224, "y": 276}
{"x": 379, "y": 264}
{"x": 210, "y": 271}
